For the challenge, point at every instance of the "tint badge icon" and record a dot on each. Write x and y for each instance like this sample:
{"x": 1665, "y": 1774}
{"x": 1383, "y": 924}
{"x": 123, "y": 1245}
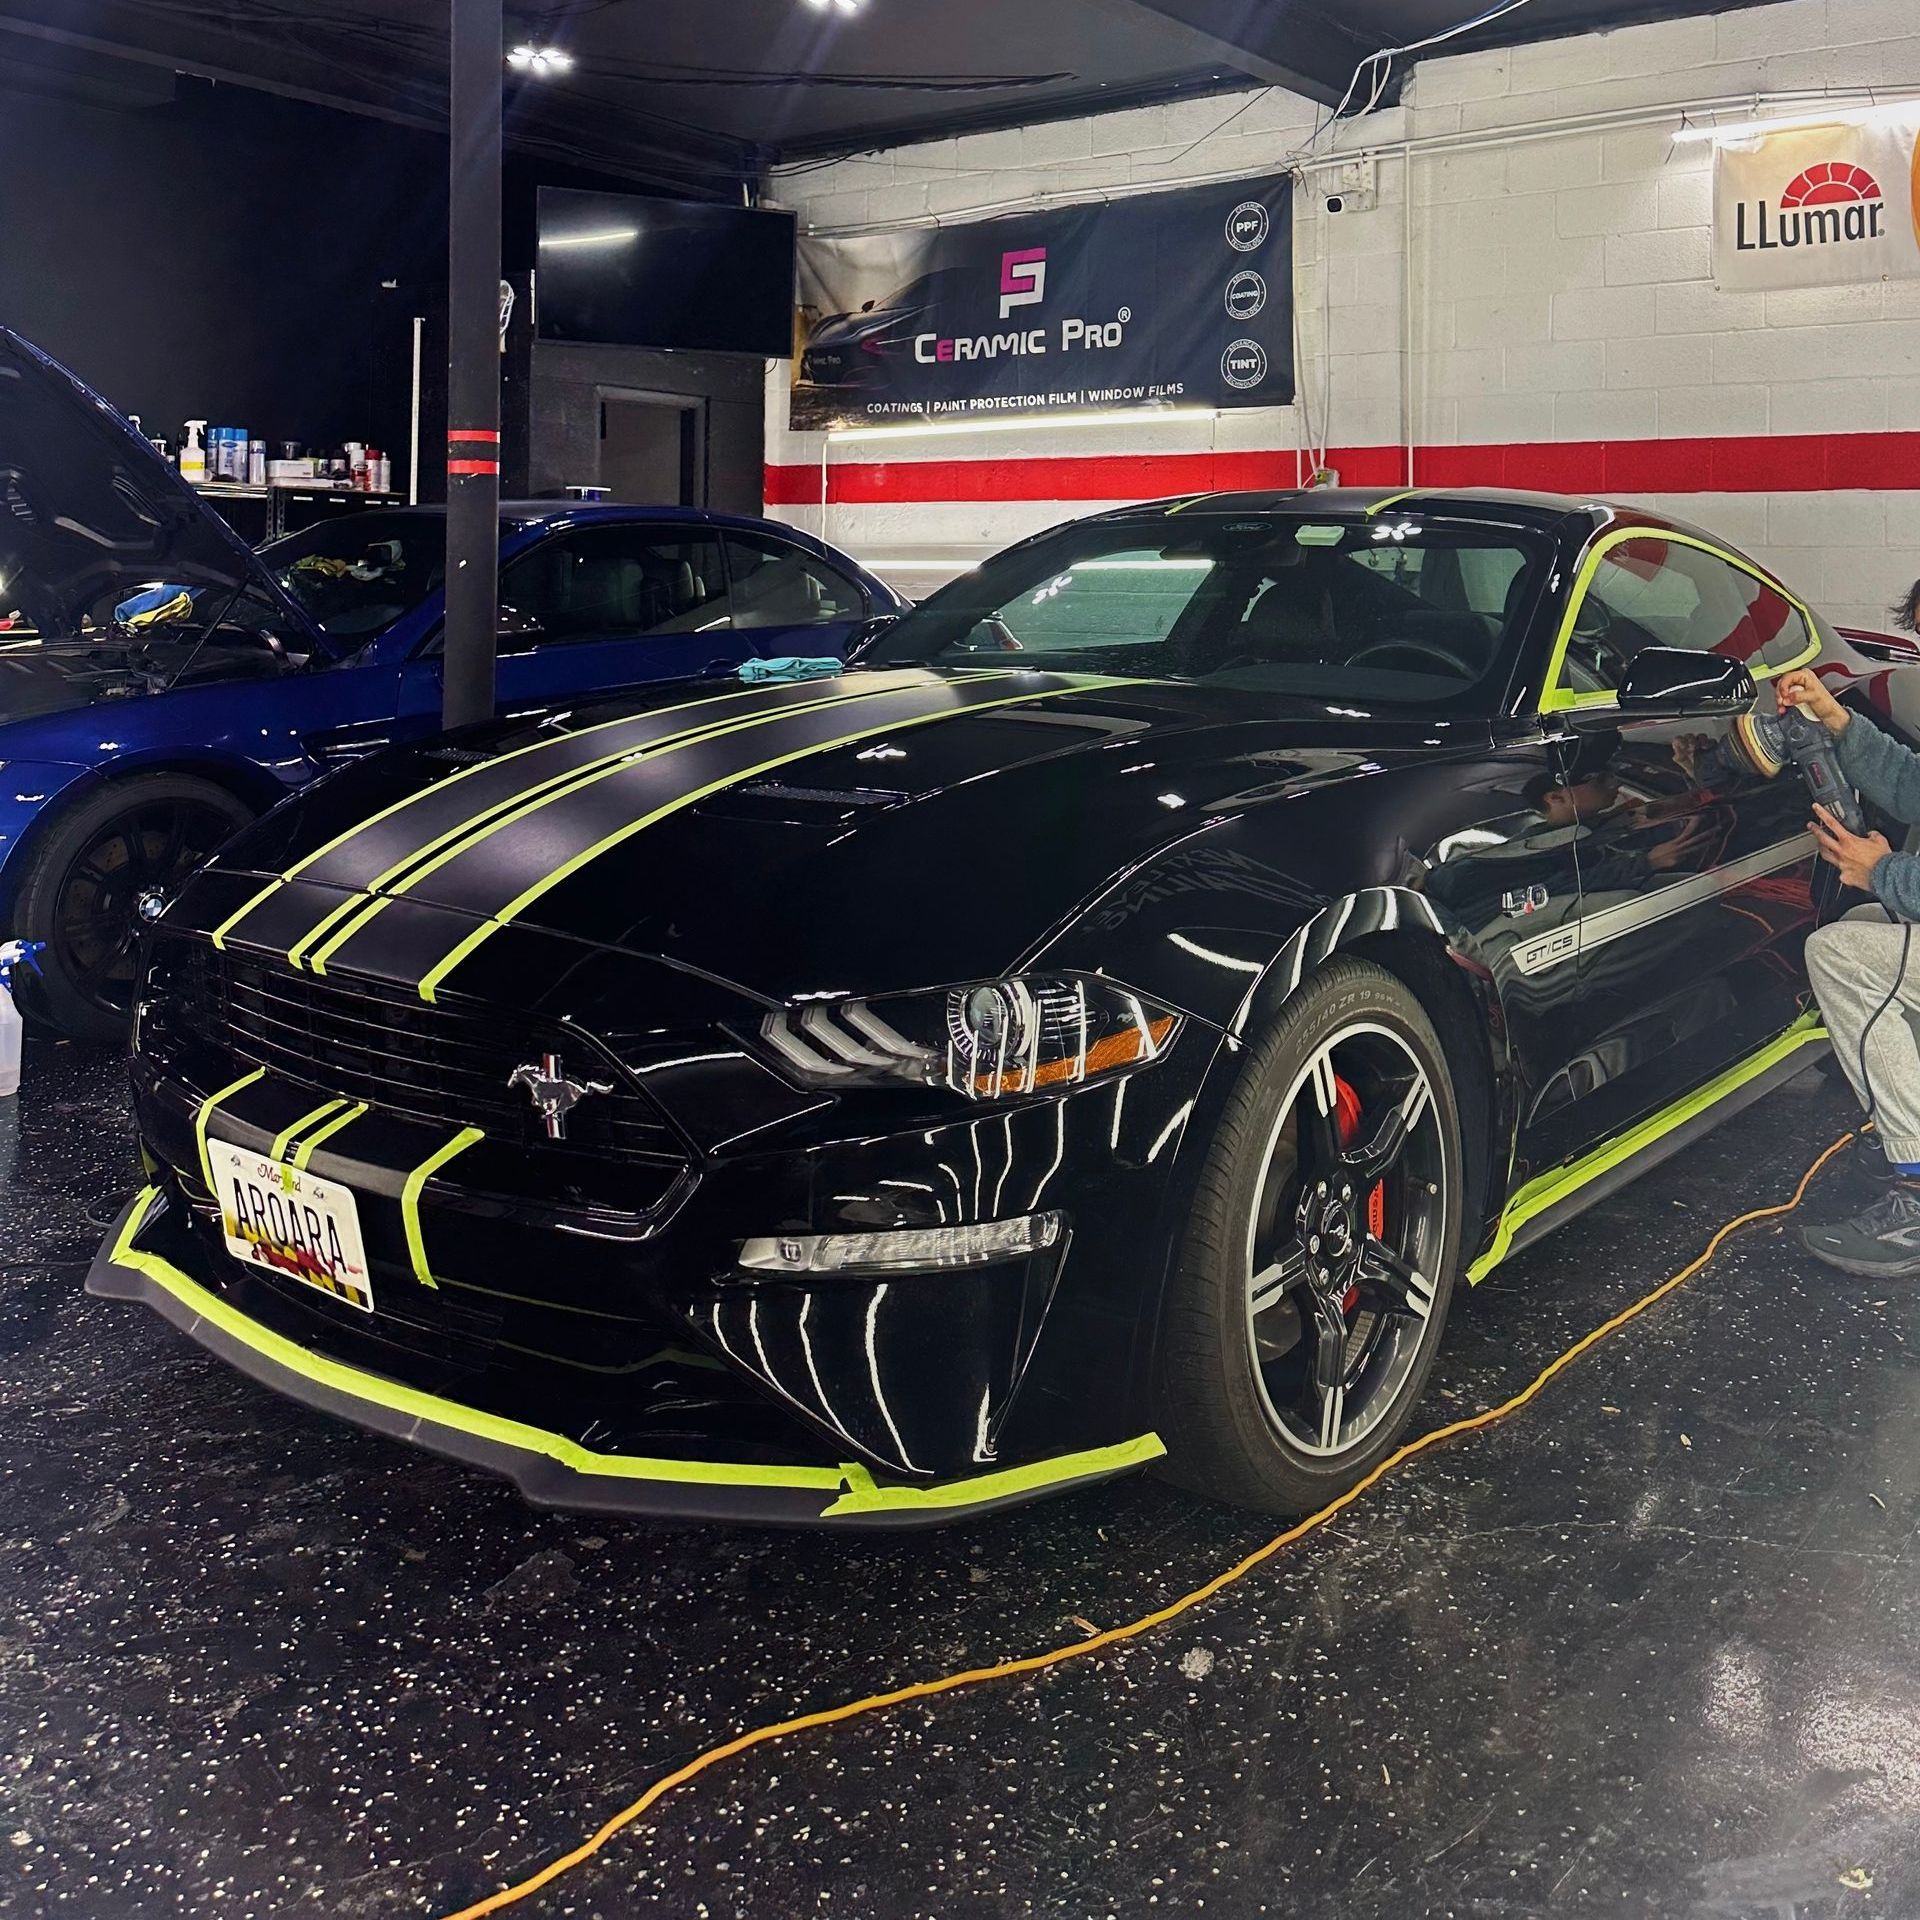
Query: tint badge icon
{"x": 1244, "y": 365}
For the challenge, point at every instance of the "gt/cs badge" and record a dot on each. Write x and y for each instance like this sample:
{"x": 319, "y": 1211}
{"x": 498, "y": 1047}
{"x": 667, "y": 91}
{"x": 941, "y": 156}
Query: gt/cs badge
{"x": 554, "y": 1096}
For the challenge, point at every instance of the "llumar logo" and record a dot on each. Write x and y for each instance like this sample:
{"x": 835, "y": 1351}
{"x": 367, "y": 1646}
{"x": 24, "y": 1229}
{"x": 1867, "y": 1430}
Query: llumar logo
{"x": 1832, "y": 204}
{"x": 1023, "y": 279}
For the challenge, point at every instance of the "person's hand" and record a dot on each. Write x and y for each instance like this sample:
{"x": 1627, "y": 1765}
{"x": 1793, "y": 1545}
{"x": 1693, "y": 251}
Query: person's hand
{"x": 1852, "y": 856}
{"x": 1805, "y": 689}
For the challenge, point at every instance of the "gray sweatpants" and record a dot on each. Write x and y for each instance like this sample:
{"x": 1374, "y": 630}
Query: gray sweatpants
{"x": 1854, "y": 963}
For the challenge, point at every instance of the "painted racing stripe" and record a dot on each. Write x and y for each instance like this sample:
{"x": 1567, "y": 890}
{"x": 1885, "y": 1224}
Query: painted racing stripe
{"x": 465, "y": 800}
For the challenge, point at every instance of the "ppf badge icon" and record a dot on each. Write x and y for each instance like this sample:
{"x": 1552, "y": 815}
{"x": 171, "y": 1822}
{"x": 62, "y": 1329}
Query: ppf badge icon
{"x": 1023, "y": 279}
{"x": 1248, "y": 226}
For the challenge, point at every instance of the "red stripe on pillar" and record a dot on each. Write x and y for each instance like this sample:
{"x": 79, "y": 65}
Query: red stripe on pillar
{"x": 473, "y": 466}
{"x": 486, "y": 434}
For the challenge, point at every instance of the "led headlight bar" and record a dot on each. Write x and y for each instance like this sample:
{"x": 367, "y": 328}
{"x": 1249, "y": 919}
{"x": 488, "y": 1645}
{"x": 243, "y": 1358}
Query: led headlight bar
{"x": 906, "y": 1249}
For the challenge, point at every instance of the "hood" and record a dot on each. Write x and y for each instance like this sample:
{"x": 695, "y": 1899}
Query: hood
{"x": 90, "y": 514}
{"x": 42, "y": 677}
{"x": 877, "y": 832}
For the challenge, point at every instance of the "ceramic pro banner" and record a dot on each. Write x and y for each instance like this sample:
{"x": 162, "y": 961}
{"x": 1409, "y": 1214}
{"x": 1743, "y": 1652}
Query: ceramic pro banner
{"x": 1167, "y": 299}
{"x": 1818, "y": 206}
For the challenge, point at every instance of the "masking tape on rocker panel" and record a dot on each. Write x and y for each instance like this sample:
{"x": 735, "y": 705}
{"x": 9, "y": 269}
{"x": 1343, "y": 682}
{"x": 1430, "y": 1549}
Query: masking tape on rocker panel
{"x": 1561, "y": 1183}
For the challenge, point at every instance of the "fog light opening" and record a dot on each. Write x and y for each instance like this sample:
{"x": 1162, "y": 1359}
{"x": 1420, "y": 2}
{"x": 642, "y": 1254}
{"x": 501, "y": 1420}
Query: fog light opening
{"x": 905, "y": 1249}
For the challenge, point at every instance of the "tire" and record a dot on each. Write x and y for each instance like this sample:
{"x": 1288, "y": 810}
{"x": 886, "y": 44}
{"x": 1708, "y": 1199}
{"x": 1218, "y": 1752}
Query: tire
{"x": 83, "y": 882}
{"x": 1240, "y": 1381}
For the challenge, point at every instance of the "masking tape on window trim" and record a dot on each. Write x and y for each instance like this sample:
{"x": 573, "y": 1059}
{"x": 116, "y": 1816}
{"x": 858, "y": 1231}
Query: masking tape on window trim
{"x": 1555, "y": 698}
{"x": 858, "y": 1492}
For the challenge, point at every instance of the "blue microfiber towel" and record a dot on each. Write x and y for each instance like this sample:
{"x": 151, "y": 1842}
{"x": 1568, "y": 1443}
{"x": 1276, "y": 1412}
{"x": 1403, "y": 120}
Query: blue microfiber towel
{"x": 790, "y": 666}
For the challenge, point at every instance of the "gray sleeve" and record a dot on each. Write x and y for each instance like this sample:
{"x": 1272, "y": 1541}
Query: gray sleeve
{"x": 1896, "y": 883}
{"x": 1886, "y": 773}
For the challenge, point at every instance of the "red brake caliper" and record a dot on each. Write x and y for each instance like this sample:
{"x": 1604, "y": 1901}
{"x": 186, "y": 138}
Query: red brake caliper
{"x": 1346, "y": 1113}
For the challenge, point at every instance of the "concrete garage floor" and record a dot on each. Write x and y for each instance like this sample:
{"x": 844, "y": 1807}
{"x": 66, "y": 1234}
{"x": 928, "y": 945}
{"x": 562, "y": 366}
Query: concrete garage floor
{"x": 1650, "y": 1648}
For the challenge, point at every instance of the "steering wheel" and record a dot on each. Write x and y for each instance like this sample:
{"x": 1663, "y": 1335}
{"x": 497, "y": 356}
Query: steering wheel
{"x": 1421, "y": 650}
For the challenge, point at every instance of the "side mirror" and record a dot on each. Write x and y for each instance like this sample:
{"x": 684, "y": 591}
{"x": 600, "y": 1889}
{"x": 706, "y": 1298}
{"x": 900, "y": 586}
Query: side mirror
{"x": 518, "y": 632}
{"x": 867, "y": 632}
{"x": 1678, "y": 683}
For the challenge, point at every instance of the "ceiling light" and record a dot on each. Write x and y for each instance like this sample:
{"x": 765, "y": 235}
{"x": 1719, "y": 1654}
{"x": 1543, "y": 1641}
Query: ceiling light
{"x": 528, "y": 58}
{"x": 598, "y": 237}
{"x": 1787, "y": 123}
{"x": 838, "y": 6}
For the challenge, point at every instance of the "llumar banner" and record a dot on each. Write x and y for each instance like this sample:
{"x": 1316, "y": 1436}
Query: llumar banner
{"x": 1165, "y": 299}
{"x": 1826, "y": 206}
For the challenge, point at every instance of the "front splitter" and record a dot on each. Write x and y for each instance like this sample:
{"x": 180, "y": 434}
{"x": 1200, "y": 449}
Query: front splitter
{"x": 549, "y": 1469}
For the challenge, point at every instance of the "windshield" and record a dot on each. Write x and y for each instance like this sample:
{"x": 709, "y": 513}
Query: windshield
{"x": 356, "y": 576}
{"x": 1341, "y": 608}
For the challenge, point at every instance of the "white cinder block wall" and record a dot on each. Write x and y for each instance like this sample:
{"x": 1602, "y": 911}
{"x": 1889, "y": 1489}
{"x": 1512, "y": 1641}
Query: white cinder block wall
{"x": 1564, "y": 326}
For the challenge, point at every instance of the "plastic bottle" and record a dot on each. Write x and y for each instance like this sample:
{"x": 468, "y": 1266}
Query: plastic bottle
{"x": 14, "y": 953}
{"x": 193, "y": 454}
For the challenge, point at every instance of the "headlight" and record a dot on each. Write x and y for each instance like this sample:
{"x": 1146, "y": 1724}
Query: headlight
{"x": 989, "y": 1042}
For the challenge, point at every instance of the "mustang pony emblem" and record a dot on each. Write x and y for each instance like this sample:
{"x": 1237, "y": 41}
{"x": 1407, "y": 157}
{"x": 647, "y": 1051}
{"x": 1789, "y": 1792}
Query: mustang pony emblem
{"x": 554, "y": 1096}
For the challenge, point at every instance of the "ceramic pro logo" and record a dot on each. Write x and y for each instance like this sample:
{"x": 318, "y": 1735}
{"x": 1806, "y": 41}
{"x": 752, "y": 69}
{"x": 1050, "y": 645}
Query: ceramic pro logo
{"x": 1833, "y": 204}
{"x": 1023, "y": 279}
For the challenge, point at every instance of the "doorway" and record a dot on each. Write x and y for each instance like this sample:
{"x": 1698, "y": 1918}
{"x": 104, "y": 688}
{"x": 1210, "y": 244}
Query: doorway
{"x": 653, "y": 448}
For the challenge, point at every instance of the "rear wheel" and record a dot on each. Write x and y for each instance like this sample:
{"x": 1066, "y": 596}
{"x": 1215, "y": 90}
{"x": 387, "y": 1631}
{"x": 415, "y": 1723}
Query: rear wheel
{"x": 1314, "y": 1279}
{"x": 83, "y": 888}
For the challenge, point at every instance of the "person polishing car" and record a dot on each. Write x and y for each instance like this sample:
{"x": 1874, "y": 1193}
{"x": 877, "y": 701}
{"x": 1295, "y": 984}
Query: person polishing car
{"x": 1869, "y": 995}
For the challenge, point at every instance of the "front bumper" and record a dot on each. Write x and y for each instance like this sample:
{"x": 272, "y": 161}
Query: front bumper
{"x": 141, "y": 1260}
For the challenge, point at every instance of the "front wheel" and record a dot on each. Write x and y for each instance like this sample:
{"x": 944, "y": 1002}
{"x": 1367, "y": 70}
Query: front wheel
{"x": 1313, "y": 1281}
{"x": 82, "y": 892}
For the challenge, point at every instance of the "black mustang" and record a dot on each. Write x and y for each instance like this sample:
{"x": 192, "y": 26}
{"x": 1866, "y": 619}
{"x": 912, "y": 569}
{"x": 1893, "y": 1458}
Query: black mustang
{"x": 1101, "y": 1026}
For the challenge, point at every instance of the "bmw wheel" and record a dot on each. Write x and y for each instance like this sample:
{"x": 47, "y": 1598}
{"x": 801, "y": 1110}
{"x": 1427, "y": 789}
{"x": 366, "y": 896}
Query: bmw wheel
{"x": 1313, "y": 1282}
{"x": 82, "y": 892}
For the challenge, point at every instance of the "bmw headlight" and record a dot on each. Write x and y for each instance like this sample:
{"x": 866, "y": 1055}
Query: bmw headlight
{"x": 990, "y": 1041}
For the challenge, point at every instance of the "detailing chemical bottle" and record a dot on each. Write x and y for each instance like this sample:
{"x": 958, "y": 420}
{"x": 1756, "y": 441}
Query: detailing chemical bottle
{"x": 193, "y": 454}
{"x": 12, "y": 955}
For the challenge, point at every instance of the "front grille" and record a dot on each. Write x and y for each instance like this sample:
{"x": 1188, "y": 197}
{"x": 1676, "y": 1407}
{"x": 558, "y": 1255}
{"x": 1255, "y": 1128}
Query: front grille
{"x": 388, "y": 1047}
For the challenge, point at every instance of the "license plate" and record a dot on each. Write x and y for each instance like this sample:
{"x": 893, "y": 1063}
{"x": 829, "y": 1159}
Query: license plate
{"x": 287, "y": 1221}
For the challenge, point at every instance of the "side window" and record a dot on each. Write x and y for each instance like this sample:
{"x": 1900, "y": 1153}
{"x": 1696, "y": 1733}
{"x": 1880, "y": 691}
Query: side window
{"x": 1652, "y": 592}
{"x": 777, "y": 585}
{"x": 618, "y": 583}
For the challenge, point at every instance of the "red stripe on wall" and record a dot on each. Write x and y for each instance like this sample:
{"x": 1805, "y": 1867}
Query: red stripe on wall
{"x": 1787, "y": 463}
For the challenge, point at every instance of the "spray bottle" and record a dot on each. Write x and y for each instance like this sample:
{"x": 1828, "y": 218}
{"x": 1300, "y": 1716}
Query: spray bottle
{"x": 13, "y": 953}
{"x": 193, "y": 453}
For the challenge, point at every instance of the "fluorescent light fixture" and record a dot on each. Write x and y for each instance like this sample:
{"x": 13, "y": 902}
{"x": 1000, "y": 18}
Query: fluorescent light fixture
{"x": 529, "y": 58}
{"x": 1787, "y": 123}
{"x": 599, "y": 237}
{"x": 1028, "y": 423}
{"x": 836, "y": 6}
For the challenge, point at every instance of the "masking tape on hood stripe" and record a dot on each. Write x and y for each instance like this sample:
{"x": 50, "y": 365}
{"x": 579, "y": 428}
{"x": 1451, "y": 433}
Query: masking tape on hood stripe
{"x": 567, "y": 868}
{"x": 207, "y": 1109}
{"x": 410, "y": 1198}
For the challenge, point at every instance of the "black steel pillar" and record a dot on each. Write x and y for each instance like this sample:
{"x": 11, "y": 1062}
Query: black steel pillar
{"x": 473, "y": 363}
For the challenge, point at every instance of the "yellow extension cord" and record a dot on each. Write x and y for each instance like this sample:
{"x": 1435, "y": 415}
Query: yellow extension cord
{"x": 1080, "y": 1649}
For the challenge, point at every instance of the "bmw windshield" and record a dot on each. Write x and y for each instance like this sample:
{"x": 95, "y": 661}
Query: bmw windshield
{"x": 354, "y": 577}
{"x": 1344, "y": 608}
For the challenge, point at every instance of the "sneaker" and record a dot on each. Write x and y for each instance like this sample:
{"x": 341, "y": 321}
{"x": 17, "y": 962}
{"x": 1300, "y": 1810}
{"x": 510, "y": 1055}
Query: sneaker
{"x": 1881, "y": 1242}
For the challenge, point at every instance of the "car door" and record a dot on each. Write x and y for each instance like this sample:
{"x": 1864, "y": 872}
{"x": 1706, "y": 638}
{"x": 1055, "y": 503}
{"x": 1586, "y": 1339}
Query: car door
{"x": 1697, "y": 878}
{"x": 601, "y": 607}
{"x": 789, "y": 601}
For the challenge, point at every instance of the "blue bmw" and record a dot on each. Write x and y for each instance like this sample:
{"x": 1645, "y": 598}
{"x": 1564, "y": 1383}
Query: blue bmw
{"x": 161, "y": 684}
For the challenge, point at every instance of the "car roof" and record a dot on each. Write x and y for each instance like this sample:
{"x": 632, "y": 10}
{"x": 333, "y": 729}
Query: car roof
{"x": 1510, "y": 506}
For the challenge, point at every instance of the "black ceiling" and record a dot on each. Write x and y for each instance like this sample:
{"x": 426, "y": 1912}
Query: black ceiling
{"x": 701, "y": 94}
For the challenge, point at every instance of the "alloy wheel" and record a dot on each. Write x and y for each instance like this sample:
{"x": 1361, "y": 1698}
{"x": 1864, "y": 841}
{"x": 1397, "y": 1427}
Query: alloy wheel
{"x": 1344, "y": 1240}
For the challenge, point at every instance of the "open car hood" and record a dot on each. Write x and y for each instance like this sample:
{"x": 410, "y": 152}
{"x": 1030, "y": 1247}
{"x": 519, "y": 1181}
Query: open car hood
{"x": 90, "y": 514}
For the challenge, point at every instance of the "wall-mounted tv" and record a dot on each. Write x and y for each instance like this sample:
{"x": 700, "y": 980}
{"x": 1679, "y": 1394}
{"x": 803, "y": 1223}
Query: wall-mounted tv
{"x": 623, "y": 270}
